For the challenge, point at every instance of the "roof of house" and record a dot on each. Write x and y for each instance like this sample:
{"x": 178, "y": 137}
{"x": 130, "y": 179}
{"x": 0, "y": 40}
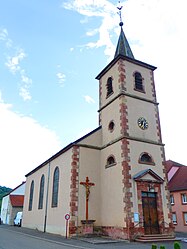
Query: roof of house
{"x": 179, "y": 180}
{"x": 14, "y": 189}
{"x": 169, "y": 164}
{"x": 17, "y": 200}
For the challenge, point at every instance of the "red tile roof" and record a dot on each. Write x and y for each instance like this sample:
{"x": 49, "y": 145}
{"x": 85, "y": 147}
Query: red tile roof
{"x": 17, "y": 200}
{"x": 179, "y": 181}
{"x": 169, "y": 164}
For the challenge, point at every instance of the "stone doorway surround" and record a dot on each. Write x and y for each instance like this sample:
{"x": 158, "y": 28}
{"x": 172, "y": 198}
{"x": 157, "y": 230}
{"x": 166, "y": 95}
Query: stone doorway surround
{"x": 148, "y": 181}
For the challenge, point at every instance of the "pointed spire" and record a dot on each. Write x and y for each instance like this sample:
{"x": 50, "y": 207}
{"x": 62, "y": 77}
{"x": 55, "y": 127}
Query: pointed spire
{"x": 123, "y": 47}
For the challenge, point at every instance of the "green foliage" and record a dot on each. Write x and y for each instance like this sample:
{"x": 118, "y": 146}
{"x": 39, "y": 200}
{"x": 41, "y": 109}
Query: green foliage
{"x": 154, "y": 246}
{"x": 177, "y": 245}
{"x": 3, "y": 192}
{"x": 162, "y": 247}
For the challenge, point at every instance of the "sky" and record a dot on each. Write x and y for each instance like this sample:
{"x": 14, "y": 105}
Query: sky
{"x": 50, "y": 54}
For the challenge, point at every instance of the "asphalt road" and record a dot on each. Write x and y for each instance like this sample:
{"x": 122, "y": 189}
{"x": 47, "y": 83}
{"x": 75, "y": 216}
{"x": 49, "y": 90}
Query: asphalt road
{"x": 23, "y": 238}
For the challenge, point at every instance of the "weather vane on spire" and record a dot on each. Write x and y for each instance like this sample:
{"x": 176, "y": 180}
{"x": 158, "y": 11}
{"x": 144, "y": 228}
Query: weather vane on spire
{"x": 119, "y": 13}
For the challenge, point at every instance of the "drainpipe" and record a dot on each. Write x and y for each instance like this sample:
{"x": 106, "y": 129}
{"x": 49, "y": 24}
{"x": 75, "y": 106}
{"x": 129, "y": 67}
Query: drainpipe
{"x": 47, "y": 194}
{"x": 78, "y": 193}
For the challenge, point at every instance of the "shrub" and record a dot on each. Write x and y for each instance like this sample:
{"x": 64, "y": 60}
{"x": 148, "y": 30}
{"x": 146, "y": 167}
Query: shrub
{"x": 154, "y": 246}
{"x": 177, "y": 245}
{"x": 162, "y": 247}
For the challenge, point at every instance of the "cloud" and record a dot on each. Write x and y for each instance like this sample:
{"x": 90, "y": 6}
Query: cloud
{"x": 154, "y": 17}
{"x": 4, "y": 37}
{"x": 92, "y": 32}
{"x": 90, "y": 7}
{"x": 61, "y": 78}
{"x": 25, "y": 87}
{"x": 102, "y": 9}
{"x": 89, "y": 99}
{"x": 13, "y": 64}
{"x": 25, "y": 79}
{"x": 24, "y": 93}
{"x": 3, "y": 34}
{"x": 24, "y": 144}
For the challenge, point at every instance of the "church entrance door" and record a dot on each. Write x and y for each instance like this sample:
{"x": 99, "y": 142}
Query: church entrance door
{"x": 149, "y": 204}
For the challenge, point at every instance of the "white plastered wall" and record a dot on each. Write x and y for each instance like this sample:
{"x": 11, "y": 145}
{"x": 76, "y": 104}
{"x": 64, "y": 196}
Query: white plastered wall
{"x": 111, "y": 113}
{"x": 93, "y": 139}
{"x": 89, "y": 162}
{"x": 112, "y": 207}
{"x": 55, "y": 222}
{"x": 5, "y": 212}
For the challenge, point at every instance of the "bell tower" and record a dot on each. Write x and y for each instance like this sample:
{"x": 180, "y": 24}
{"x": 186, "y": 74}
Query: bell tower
{"x": 133, "y": 177}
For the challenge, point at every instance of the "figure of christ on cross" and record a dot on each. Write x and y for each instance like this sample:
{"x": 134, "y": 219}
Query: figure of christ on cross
{"x": 87, "y": 184}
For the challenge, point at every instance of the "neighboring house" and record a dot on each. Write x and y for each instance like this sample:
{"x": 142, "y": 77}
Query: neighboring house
{"x": 12, "y": 203}
{"x": 113, "y": 177}
{"x": 177, "y": 185}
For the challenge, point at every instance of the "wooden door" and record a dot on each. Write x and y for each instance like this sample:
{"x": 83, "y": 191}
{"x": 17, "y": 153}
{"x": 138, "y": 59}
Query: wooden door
{"x": 149, "y": 204}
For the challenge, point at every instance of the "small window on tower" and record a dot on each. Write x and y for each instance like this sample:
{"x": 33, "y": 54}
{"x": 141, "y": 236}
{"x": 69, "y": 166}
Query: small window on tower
{"x": 145, "y": 158}
{"x": 109, "y": 86}
{"x": 110, "y": 162}
{"x": 138, "y": 82}
{"x": 111, "y": 126}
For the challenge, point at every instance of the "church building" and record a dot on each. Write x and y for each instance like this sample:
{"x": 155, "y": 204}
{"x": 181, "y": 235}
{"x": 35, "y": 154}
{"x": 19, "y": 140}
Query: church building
{"x": 111, "y": 181}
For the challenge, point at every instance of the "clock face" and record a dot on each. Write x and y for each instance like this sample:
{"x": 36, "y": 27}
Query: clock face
{"x": 142, "y": 123}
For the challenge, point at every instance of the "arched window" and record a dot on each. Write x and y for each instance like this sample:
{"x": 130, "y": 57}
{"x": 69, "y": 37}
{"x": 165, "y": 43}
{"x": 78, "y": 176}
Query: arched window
{"x": 31, "y": 195}
{"x": 41, "y": 193}
{"x": 55, "y": 187}
{"x": 146, "y": 158}
{"x": 110, "y": 161}
{"x": 109, "y": 86}
{"x": 138, "y": 82}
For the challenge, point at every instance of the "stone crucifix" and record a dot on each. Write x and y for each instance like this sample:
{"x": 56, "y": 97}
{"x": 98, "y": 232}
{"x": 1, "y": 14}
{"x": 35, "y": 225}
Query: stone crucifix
{"x": 87, "y": 184}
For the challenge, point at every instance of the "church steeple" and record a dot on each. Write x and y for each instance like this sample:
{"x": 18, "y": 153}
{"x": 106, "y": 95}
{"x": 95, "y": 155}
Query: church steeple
{"x": 123, "y": 47}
